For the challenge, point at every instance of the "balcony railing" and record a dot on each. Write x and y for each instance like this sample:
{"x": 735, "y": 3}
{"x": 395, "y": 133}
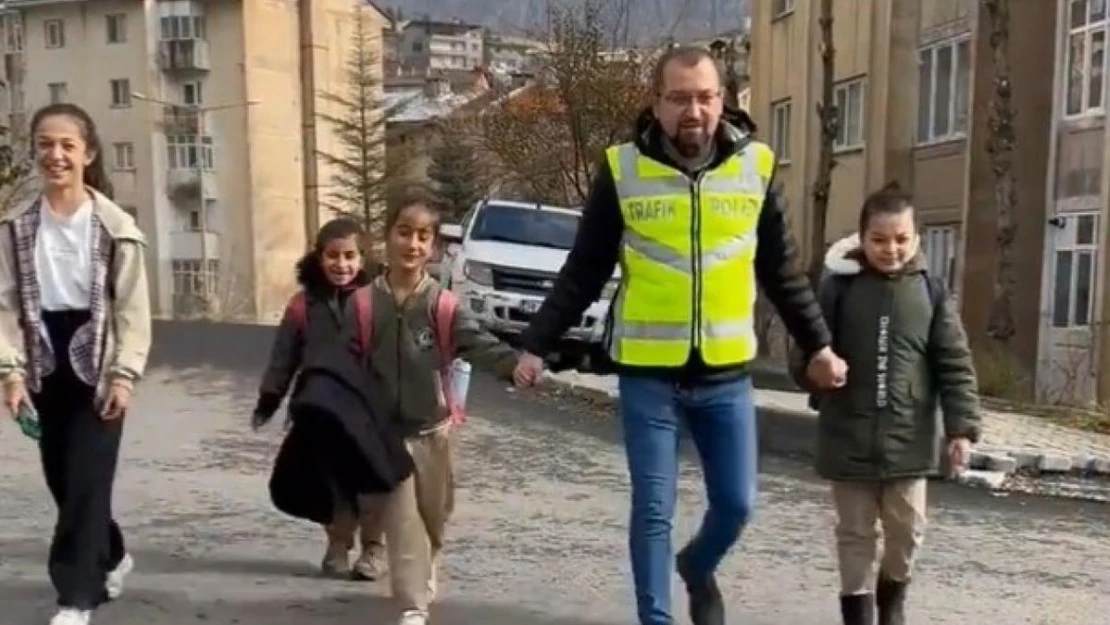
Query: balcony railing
{"x": 179, "y": 120}
{"x": 177, "y": 55}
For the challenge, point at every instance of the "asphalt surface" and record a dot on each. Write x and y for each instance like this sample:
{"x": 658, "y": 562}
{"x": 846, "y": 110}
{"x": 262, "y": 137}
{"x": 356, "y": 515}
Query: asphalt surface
{"x": 539, "y": 535}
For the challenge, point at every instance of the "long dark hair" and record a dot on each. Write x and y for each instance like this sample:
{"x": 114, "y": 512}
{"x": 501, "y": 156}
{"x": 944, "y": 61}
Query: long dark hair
{"x": 95, "y": 176}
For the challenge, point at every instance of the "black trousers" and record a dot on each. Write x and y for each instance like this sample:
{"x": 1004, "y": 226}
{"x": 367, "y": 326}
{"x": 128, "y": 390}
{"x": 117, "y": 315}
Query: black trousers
{"x": 79, "y": 453}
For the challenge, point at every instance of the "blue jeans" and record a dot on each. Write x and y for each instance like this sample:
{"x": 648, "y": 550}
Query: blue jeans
{"x": 721, "y": 420}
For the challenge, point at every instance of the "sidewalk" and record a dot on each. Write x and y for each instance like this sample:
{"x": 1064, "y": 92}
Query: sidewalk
{"x": 1011, "y": 444}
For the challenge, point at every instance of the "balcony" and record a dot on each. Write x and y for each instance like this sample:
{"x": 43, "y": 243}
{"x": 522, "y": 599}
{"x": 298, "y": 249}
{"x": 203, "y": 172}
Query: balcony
{"x": 179, "y": 120}
{"x": 185, "y": 244}
{"x": 183, "y": 55}
{"x": 183, "y": 186}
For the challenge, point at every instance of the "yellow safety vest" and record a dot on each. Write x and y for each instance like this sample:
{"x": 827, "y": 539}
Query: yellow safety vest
{"x": 687, "y": 258}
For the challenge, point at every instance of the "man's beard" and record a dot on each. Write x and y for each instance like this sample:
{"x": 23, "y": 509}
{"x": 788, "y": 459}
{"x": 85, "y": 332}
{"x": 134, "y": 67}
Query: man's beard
{"x": 690, "y": 147}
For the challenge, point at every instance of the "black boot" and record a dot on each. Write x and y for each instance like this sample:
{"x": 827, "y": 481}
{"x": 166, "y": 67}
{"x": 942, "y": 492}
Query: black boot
{"x": 706, "y": 605}
{"x": 890, "y": 597}
{"x": 858, "y": 609}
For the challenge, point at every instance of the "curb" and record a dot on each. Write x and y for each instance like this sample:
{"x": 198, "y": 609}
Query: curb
{"x": 794, "y": 433}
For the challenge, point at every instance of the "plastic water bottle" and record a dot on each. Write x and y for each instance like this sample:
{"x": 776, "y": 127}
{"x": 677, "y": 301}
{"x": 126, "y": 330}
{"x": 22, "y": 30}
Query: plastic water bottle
{"x": 460, "y": 381}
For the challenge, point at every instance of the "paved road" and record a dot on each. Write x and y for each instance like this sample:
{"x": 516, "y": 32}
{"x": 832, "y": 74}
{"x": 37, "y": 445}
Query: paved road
{"x": 538, "y": 539}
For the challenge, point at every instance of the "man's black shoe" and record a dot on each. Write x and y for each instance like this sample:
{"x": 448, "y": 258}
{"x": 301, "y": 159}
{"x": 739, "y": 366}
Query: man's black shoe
{"x": 707, "y": 607}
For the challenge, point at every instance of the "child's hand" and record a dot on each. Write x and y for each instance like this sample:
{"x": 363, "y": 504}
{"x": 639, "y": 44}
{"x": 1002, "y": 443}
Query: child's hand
{"x": 959, "y": 455}
{"x": 529, "y": 370}
{"x": 259, "y": 419}
{"x": 827, "y": 370}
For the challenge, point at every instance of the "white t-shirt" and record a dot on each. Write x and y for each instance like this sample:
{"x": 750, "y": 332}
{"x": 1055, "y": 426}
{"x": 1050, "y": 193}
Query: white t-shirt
{"x": 63, "y": 260}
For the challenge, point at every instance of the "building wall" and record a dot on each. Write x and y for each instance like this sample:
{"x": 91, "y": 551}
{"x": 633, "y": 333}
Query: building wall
{"x": 880, "y": 42}
{"x": 258, "y": 219}
{"x": 87, "y": 63}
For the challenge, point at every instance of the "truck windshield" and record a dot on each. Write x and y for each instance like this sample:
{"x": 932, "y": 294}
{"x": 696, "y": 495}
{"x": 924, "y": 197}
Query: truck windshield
{"x": 525, "y": 226}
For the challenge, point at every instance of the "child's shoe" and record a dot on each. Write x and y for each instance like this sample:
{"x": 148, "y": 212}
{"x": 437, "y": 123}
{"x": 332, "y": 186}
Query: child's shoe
{"x": 414, "y": 617}
{"x": 890, "y": 597}
{"x": 858, "y": 609}
{"x": 337, "y": 561}
{"x": 113, "y": 586}
{"x": 370, "y": 565}
{"x": 71, "y": 616}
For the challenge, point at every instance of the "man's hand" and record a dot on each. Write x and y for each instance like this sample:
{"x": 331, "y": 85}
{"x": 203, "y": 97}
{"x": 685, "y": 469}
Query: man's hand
{"x": 15, "y": 391}
{"x": 959, "y": 455}
{"x": 529, "y": 370}
{"x": 827, "y": 370}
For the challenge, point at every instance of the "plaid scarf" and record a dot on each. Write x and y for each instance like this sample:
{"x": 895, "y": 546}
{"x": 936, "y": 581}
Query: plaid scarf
{"x": 87, "y": 345}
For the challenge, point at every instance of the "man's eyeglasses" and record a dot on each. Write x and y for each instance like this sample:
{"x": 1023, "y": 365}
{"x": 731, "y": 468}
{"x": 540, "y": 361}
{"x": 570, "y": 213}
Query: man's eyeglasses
{"x": 682, "y": 99}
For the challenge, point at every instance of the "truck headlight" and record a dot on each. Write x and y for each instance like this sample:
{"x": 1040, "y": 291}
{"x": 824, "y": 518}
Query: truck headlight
{"x": 479, "y": 273}
{"x": 610, "y": 290}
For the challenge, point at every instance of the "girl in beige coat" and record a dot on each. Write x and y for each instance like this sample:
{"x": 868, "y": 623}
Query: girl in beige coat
{"x": 74, "y": 337}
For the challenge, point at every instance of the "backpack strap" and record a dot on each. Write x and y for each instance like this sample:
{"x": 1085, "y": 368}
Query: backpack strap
{"x": 444, "y": 307}
{"x": 297, "y": 309}
{"x": 364, "y": 319}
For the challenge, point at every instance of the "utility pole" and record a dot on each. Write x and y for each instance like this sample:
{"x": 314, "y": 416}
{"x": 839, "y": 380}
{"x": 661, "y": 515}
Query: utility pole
{"x": 200, "y": 167}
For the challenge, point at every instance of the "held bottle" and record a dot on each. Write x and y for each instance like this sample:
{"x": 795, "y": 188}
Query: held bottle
{"x": 460, "y": 381}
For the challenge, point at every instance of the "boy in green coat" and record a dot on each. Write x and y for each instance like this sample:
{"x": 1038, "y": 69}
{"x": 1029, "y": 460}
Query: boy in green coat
{"x": 879, "y": 436}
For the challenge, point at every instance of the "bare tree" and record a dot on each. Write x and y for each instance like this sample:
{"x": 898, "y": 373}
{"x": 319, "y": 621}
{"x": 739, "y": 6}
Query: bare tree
{"x": 551, "y": 138}
{"x": 829, "y": 118}
{"x": 15, "y": 170}
{"x": 1000, "y": 146}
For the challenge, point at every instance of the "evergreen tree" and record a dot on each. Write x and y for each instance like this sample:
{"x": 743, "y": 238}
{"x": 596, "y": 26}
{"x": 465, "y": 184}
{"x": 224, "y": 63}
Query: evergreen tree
{"x": 357, "y": 186}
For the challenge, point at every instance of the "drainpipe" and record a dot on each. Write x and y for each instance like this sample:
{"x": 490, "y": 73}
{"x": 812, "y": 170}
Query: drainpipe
{"x": 308, "y": 122}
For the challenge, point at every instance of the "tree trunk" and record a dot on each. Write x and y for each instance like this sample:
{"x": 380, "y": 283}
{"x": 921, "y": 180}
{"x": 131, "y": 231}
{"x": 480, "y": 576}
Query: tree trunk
{"x": 1000, "y": 146}
{"x": 829, "y": 118}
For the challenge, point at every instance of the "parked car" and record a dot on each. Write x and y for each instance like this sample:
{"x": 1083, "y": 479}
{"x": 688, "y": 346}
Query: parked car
{"x": 502, "y": 261}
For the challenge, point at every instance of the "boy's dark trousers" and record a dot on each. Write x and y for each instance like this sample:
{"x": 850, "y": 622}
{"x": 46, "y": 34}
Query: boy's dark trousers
{"x": 79, "y": 452}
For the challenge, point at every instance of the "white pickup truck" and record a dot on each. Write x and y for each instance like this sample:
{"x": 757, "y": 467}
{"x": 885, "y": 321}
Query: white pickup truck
{"x": 502, "y": 261}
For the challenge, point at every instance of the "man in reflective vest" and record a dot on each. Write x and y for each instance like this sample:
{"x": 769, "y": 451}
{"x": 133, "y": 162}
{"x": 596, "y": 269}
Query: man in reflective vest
{"x": 690, "y": 211}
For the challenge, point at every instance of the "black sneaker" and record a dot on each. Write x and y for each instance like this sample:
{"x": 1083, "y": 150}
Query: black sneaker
{"x": 707, "y": 607}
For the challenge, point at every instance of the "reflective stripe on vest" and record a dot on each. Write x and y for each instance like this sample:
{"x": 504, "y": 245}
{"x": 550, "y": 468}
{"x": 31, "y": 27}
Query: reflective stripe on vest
{"x": 687, "y": 258}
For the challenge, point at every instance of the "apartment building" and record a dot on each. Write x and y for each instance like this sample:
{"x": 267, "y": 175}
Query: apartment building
{"x": 428, "y": 45}
{"x": 201, "y": 106}
{"x": 914, "y": 83}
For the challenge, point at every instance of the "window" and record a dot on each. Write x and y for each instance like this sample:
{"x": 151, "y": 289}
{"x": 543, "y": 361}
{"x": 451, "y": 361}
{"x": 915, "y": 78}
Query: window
{"x": 525, "y": 226}
{"x": 55, "y": 33}
{"x": 121, "y": 93}
{"x": 780, "y": 130}
{"x": 184, "y": 27}
{"x": 1073, "y": 285}
{"x": 13, "y": 33}
{"x": 944, "y": 81}
{"x": 182, "y": 151}
{"x": 125, "y": 155}
{"x": 417, "y": 47}
{"x": 190, "y": 279}
{"x": 117, "y": 28}
{"x": 939, "y": 245}
{"x": 58, "y": 92}
{"x": 192, "y": 94}
{"x": 782, "y": 7}
{"x": 849, "y": 104}
{"x": 1086, "y": 57}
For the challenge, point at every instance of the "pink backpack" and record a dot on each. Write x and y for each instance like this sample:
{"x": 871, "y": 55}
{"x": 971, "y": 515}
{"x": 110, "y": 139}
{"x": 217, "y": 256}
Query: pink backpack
{"x": 441, "y": 311}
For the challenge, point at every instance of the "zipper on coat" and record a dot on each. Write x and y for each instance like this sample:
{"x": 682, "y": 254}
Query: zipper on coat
{"x": 695, "y": 260}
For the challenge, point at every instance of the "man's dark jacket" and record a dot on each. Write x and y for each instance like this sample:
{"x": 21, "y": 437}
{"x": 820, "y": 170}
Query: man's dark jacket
{"x": 339, "y": 445}
{"x": 596, "y": 251}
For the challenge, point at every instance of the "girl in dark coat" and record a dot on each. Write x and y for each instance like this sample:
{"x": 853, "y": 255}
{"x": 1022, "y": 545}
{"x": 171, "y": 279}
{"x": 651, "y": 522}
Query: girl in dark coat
{"x": 319, "y": 316}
